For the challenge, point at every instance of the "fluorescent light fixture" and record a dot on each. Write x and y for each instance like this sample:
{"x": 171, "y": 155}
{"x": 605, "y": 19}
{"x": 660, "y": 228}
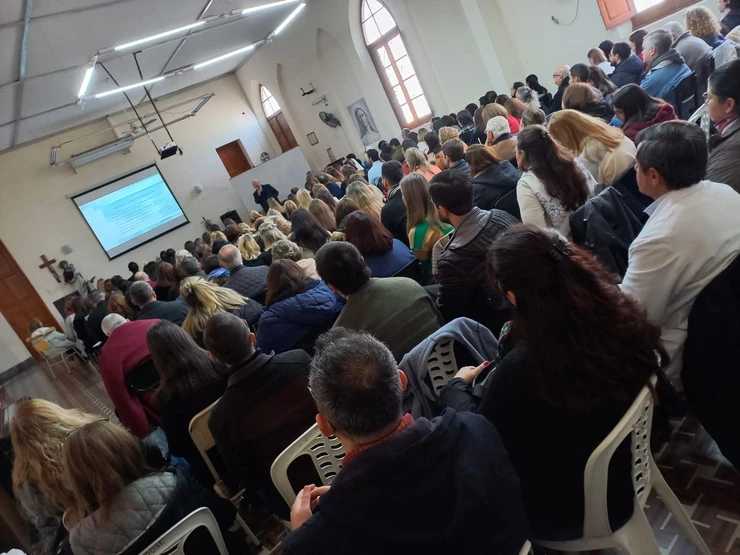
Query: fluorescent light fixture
{"x": 158, "y": 36}
{"x": 287, "y": 20}
{"x": 86, "y": 79}
{"x": 261, "y": 7}
{"x": 129, "y": 87}
{"x": 224, "y": 56}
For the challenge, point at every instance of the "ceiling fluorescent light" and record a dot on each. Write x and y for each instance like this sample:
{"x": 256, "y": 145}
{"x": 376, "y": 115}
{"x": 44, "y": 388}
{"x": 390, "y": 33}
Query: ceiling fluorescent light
{"x": 132, "y": 86}
{"x": 261, "y": 7}
{"x": 224, "y": 56}
{"x": 287, "y": 20}
{"x": 86, "y": 79}
{"x": 158, "y": 36}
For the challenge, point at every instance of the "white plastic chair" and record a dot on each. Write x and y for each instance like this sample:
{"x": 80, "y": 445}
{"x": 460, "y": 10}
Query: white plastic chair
{"x": 442, "y": 364}
{"x": 636, "y": 536}
{"x": 201, "y": 435}
{"x": 326, "y": 454}
{"x": 172, "y": 542}
{"x": 41, "y": 346}
{"x": 526, "y": 548}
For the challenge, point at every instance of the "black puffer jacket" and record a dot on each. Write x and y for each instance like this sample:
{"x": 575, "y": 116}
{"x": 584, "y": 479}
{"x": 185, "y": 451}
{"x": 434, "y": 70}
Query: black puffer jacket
{"x": 495, "y": 187}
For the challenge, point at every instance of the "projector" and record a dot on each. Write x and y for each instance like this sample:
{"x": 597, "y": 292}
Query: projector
{"x": 169, "y": 150}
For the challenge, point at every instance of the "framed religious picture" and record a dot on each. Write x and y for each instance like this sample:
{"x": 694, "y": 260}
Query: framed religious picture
{"x": 312, "y": 138}
{"x": 364, "y": 122}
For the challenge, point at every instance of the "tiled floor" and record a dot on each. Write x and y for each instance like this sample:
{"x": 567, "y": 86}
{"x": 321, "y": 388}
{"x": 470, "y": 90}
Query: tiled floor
{"x": 709, "y": 489}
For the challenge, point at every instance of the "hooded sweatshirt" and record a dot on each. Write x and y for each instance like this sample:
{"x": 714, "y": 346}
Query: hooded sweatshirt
{"x": 437, "y": 487}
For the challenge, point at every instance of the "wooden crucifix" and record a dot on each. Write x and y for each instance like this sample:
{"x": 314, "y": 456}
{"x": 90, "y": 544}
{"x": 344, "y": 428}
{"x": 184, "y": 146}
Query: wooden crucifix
{"x": 49, "y": 265}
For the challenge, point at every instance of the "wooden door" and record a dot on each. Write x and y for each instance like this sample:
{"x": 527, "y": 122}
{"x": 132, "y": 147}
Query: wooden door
{"x": 19, "y": 301}
{"x": 283, "y": 133}
{"x": 234, "y": 158}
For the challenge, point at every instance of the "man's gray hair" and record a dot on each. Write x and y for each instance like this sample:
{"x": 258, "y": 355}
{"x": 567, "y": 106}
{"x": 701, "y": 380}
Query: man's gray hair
{"x": 675, "y": 28}
{"x": 141, "y": 293}
{"x": 229, "y": 257}
{"x": 354, "y": 381}
{"x": 660, "y": 39}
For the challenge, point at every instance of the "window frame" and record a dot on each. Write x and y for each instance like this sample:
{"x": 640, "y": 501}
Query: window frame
{"x": 383, "y": 41}
{"x": 665, "y": 9}
{"x": 270, "y": 97}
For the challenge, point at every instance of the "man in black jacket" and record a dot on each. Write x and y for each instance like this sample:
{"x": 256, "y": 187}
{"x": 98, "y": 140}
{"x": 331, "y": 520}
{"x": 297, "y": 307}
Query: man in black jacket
{"x": 98, "y": 311}
{"x": 627, "y": 66}
{"x": 249, "y": 281}
{"x": 265, "y": 407}
{"x": 433, "y": 487}
{"x": 454, "y": 152}
{"x": 561, "y": 77}
{"x": 143, "y": 296}
{"x": 262, "y": 193}
{"x": 393, "y": 214}
{"x": 461, "y": 272}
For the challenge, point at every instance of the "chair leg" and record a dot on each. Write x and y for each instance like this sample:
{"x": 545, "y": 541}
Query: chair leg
{"x": 679, "y": 513}
{"x": 50, "y": 369}
{"x": 636, "y": 537}
{"x": 251, "y": 538}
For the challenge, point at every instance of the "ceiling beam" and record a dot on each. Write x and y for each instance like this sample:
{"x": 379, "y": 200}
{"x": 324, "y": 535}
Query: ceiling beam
{"x": 22, "y": 68}
{"x": 63, "y": 12}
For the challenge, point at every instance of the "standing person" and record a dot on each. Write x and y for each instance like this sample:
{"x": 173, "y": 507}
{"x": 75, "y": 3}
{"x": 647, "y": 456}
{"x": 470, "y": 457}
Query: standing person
{"x": 463, "y": 289}
{"x": 637, "y": 110}
{"x": 561, "y": 78}
{"x": 262, "y": 193}
{"x": 627, "y": 66}
{"x": 553, "y": 184}
{"x": 723, "y": 104}
{"x": 388, "y": 498}
{"x": 690, "y": 237}
{"x": 666, "y": 66}
{"x": 579, "y": 358}
{"x": 189, "y": 381}
{"x": 393, "y": 214}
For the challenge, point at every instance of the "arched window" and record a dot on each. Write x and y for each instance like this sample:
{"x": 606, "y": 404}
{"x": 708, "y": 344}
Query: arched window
{"x": 392, "y": 61}
{"x": 276, "y": 119}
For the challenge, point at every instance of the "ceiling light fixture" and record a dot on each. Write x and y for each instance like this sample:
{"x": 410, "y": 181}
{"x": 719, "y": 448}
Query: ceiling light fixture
{"x": 225, "y": 56}
{"x": 164, "y": 34}
{"x": 131, "y": 86}
{"x": 87, "y": 77}
{"x": 247, "y": 11}
{"x": 288, "y": 20}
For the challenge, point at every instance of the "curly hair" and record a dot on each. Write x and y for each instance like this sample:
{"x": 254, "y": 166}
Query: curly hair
{"x": 702, "y": 23}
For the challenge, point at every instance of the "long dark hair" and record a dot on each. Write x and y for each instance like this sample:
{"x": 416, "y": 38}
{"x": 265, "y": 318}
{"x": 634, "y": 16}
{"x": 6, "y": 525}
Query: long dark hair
{"x": 587, "y": 342}
{"x": 184, "y": 368}
{"x": 598, "y": 79}
{"x": 636, "y": 104}
{"x": 367, "y": 233}
{"x": 554, "y": 166}
{"x": 285, "y": 279}
{"x": 307, "y": 231}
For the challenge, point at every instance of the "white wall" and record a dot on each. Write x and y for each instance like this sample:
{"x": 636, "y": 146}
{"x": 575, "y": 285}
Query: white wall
{"x": 12, "y": 349}
{"x": 38, "y": 217}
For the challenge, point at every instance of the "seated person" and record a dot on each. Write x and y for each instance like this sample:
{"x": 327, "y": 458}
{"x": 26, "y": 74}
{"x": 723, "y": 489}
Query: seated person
{"x": 298, "y": 309}
{"x": 120, "y": 503}
{"x": 461, "y": 263}
{"x": 250, "y": 282}
{"x": 265, "y": 407}
{"x": 500, "y": 139}
{"x": 125, "y": 350}
{"x": 384, "y": 255}
{"x": 692, "y": 233}
{"x": 627, "y": 65}
{"x": 396, "y": 310}
{"x": 637, "y": 110}
{"x": 143, "y": 296}
{"x": 434, "y": 487}
{"x": 189, "y": 381}
{"x": 723, "y": 103}
{"x": 454, "y": 153}
{"x": 494, "y": 181}
{"x": 666, "y": 66}
{"x": 48, "y": 340}
{"x": 393, "y": 213}
{"x": 579, "y": 360}
{"x": 97, "y": 310}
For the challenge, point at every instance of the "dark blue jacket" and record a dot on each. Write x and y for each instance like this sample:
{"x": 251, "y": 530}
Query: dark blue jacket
{"x": 390, "y": 263}
{"x": 335, "y": 189}
{"x": 297, "y": 320}
{"x": 627, "y": 71}
{"x": 437, "y": 487}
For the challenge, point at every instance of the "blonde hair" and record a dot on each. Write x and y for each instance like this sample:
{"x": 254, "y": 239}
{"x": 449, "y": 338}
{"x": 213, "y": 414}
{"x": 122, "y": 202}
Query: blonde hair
{"x": 253, "y": 216}
{"x": 206, "y": 299}
{"x": 416, "y": 159}
{"x": 492, "y": 110}
{"x": 447, "y": 133}
{"x": 323, "y": 214}
{"x": 572, "y": 128}
{"x": 218, "y": 236}
{"x": 248, "y": 247}
{"x": 290, "y": 207}
{"x": 38, "y": 432}
{"x": 273, "y": 204}
{"x": 702, "y": 23}
{"x": 269, "y": 233}
{"x": 367, "y": 197}
{"x": 99, "y": 460}
{"x": 303, "y": 198}
{"x": 244, "y": 228}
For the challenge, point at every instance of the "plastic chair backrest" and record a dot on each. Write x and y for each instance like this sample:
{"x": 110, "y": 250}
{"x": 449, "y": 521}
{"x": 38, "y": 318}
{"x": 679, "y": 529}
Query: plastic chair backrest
{"x": 442, "y": 364}
{"x": 41, "y": 346}
{"x": 636, "y": 422}
{"x": 172, "y": 542}
{"x": 686, "y": 97}
{"x": 326, "y": 454}
{"x": 201, "y": 435}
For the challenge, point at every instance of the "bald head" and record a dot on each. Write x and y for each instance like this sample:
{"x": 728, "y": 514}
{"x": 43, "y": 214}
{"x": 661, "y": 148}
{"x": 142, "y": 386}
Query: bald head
{"x": 141, "y": 293}
{"x": 229, "y": 257}
{"x": 560, "y": 73}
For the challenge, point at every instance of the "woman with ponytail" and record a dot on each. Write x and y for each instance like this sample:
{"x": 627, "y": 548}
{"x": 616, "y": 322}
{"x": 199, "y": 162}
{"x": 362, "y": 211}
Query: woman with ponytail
{"x": 553, "y": 185}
